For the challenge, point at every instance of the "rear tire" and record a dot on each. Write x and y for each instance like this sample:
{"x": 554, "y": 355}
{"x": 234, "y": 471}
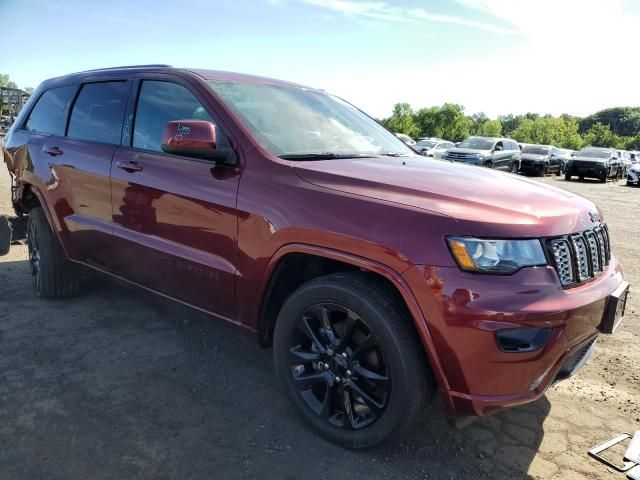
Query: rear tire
{"x": 515, "y": 167}
{"x": 53, "y": 275}
{"x": 544, "y": 171}
{"x": 359, "y": 395}
{"x": 488, "y": 165}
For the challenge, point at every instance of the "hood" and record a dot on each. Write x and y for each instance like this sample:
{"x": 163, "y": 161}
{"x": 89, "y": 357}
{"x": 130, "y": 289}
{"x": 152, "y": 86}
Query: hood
{"x": 533, "y": 156}
{"x": 469, "y": 151}
{"x": 590, "y": 159}
{"x": 485, "y": 201}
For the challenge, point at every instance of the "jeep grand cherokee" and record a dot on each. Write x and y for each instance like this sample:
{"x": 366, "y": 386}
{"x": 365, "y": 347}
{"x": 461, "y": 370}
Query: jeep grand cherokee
{"x": 376, "y": 274}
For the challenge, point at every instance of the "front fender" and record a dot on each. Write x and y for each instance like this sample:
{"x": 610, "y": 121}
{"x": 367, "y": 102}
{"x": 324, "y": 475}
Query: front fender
{"x": 394, "y": 277}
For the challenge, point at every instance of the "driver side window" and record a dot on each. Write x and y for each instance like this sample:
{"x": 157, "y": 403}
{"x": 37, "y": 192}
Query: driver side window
{"x": 160, "y": 102}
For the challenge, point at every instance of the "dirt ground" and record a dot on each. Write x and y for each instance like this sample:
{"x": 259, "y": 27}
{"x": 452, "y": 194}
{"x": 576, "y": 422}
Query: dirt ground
{"x": 121, "y": 384}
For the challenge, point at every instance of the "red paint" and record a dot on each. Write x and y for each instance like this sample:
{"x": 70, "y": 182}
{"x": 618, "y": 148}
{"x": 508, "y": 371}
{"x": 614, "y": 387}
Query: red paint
{"x": 211, "y": 236}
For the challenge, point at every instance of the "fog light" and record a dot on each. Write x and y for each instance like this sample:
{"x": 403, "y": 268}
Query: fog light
{"x": 522, "y": 340}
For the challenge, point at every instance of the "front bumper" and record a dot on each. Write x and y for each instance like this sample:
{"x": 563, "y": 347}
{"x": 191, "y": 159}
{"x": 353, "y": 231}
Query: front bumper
{"x": 591, "y": 171}
{"x": 531, "y": 165}
{"x": 464, "y": 311}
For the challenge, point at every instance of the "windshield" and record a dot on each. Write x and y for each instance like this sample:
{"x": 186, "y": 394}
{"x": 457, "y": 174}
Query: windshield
{"x": 297, "y": 122}
{"x": 593, "y": 153}
{"x": 426, "y": 144}
{"x": 477, "y": 143}
{"x": 536, "y": 150}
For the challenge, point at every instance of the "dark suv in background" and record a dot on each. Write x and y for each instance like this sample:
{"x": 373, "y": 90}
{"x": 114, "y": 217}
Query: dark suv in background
{"x": 378, "y": 276}
{"x": 498, "y": 153}
{"x": 540, "y": 159}
{"x": 594, "y": 162}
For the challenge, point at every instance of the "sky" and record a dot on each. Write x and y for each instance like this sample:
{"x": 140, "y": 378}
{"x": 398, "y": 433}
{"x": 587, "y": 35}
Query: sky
{"x": 492, "y": 56}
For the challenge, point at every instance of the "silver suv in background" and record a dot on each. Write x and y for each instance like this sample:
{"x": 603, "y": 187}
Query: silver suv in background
{"x": 432, "y": 147}
{"x": 490, "y": 152}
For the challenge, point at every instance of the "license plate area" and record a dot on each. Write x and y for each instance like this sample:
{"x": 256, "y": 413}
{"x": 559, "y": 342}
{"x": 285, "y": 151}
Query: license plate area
{"x": 614, "y": 311}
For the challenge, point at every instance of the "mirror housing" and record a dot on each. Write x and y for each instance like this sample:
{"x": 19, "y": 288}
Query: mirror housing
{"x": 498, "y": 148}
{"x": 190, "y": 138}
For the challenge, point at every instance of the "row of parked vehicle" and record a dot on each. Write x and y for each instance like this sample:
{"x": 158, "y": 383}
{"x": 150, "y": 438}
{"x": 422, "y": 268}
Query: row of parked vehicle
{"x": 506, "y": 154}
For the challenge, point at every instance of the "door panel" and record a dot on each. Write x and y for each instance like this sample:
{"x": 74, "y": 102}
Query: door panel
{"x": 175, "y": 227}
{"x": 79, "y": 191}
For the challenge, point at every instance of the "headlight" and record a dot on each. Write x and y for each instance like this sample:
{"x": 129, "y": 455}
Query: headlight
{"x": 496, "y": 256}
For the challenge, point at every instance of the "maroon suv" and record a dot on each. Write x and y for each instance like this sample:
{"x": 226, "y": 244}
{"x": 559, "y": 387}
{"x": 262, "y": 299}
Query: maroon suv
{"x": 379, "y": 276}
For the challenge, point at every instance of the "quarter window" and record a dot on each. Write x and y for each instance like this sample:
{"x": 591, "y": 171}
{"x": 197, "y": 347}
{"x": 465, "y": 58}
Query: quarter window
{"x": 49, "y": 113}
{"x": 161, "y": 102}
{"x": 98, "y": 112}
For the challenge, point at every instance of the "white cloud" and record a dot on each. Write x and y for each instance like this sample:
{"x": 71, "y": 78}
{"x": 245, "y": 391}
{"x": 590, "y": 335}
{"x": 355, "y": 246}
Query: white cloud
{"x": 574, "y": 56}
{"x": 385, "y": 12}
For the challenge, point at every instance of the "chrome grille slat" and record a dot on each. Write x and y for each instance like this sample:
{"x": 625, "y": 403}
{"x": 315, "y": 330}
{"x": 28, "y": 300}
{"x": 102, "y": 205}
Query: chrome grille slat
{"x": 581, "y": 256}
{"x": 582, "y": 260}
{"x": 562, "y": 256}
{"x": 594, "y": 252}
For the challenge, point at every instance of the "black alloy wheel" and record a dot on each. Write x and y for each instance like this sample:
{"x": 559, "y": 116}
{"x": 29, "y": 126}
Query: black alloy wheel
{"x": 350, "y": 360}
{"x": 339, "y": 366}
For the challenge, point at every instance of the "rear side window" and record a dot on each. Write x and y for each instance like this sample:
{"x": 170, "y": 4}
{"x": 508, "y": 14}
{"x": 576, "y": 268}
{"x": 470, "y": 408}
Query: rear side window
{"x": 49, "y": 113}
{"x": 160, "y": 102}
{"x": 98, "y": 112}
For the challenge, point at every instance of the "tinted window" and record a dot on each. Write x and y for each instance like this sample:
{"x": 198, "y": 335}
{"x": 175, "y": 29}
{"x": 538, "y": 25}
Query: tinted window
{"x": 49, "y": 113}
{"x": 98, "y": 111}
{"x": 161, "y": 102}
{"x": 536, "y": 150}
{"x": 477, "y": 143}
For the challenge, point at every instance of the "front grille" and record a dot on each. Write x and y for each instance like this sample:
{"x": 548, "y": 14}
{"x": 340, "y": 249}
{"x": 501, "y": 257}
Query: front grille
{"x": 459, "y": 155}
{"x": 580, "y": 257}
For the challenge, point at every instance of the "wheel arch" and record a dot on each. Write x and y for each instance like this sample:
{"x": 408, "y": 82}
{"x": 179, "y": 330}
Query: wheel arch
{"x": 276, "y": 288}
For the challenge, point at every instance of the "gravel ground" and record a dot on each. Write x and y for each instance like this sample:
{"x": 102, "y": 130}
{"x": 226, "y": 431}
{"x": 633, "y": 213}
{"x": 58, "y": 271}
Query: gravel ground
{"x": 121, "y": 384}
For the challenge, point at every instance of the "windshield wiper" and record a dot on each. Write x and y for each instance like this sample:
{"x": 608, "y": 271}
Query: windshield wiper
{"x": 322, "y": 156}
{"x": 393, "y": 154}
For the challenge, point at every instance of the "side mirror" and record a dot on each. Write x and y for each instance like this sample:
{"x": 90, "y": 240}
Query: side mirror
{"x": 498, "y": 148}
{"x": 190, "y": 138}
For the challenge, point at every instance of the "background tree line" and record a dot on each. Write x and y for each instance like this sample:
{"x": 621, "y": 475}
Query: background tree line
{"x": 617, "y": 127}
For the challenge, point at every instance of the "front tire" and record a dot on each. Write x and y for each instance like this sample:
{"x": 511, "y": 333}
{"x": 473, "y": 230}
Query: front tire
{"x": 515, "y": 166}
{"x": 53, "y": 276}
{"x": 348, "y": 358}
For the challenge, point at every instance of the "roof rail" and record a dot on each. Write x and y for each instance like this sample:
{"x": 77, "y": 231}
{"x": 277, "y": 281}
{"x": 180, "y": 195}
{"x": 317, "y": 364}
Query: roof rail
{"x": 151, "y": 65}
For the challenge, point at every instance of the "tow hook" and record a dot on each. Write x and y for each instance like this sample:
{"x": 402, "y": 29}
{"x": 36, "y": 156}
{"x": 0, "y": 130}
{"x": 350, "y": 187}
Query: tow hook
{"x": 5, "y": 235}
{"x": 12, "y": 230}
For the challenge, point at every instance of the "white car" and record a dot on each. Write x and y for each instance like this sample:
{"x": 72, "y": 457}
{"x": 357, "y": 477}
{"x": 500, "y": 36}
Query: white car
{"x": 406, "y": 139}
{"x": 433, "y": 147}
{"x": 633, "y": 175}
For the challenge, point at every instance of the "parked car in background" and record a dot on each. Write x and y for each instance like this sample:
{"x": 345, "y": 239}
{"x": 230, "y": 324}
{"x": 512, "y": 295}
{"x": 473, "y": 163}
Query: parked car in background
{"x": 406, "y": 139}
{"x": 565, "y": 154}
{"x": 635, "y": 157}
{"x": 625, "y": 163}
{"x": 633, "y": 175}
{"x": 490, "y": 152}
{"x": 483, "y": 287}
{"x": 540, "y": 160}
{"x": 432, "y": 147}
{"x": 593, "y": 162}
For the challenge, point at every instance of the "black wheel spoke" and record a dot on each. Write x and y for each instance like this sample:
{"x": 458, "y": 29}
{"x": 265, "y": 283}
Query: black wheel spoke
{"x": 347, "y": 405}
{"x": 371, "y": 376}
{"x": 375, "y": 406}
{"x": 306, "y": 381}
{"x": 299, "y": 355}
{"x": 311, "y": 334}
{"x": 321, "y": 311}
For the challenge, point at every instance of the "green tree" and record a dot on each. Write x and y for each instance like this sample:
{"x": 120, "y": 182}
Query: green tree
{"x": 509, "y": 123}
{"x": 402, "y": 120}
{"x": 599, "y": 135}
{"x": 476, "y": 121}
{"x": 4, "y": 79}
{"x": 426, "y": 121}
{"x": 491, "y": 128}
{"x": 451, "y": 123}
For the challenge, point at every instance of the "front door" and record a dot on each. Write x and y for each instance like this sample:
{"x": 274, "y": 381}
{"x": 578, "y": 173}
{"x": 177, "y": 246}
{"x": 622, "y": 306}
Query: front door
{"x": 175, "y": 221}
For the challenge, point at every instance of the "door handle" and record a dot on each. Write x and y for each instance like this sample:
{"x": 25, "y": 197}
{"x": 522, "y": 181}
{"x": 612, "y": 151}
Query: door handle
{"x": 53, "y": 151}
{"x": 129, "y": 167}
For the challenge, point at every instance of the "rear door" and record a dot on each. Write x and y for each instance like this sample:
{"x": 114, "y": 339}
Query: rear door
{"x": 80, "y": 166}
{"x": 175, "y": 223}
